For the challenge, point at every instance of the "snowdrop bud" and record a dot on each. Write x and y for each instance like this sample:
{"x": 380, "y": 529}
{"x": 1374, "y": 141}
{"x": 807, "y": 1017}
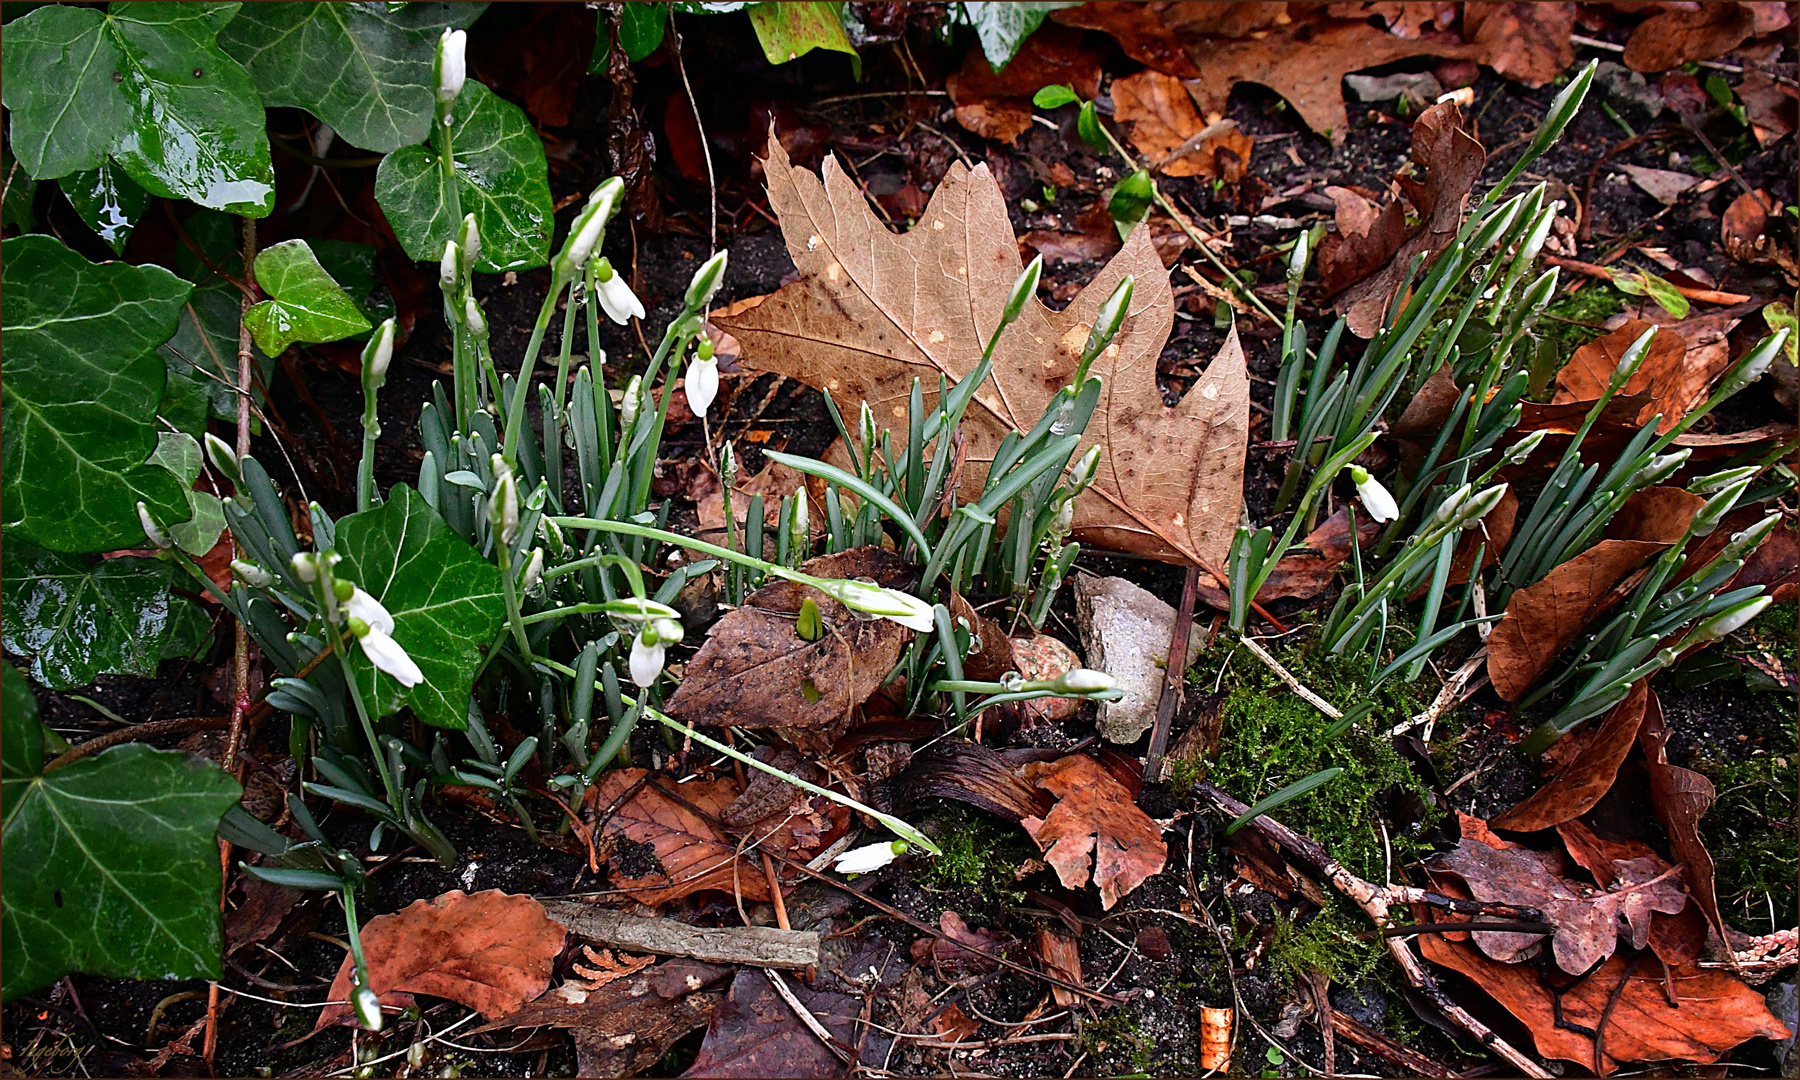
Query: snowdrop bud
{"x": 447, "y": 265}
{"x": 158, "y": 537}
{"x": 1110, "y": 317}
{"x": 379, "y": 353}
{"x": 306, "y": 568}
{"x": 668, "y": 631}
{"x": 706, "y": 282}
{"x": 868, "y": 859}
{"x": 473, "y": 319}
{"x": 1712, "y": 482}
{"x": 606, "y": 196}
{"x": 366, "y": 1003}
{"x": 870, "y": 430}
{"x": 222, "y": 456}
{"x": 1743, "y": 543}
{"x": 1522, "y": 449}
{"x": 1496, "y": 225}
{"x": 584, "y": 237}
{"x": 1633, "y": 356}
{"x": 628, "y": 404}
{"x": 1707, "y": 518}
{"x": 1480, "y": 506}
{"x": 1732, "y": 619}
{"x": 1085, "y": 471}
{"x": 1562, "y": 110}
{"x": 1660, "y": 468}
{"x": 469, "y": 239}
{"x": 451, "y": 67}
{"x": 1296, "y": 268}
{"x": 1375, "y": 498}
{"x": 552, "y": 534}
{"x": 534, "y": 570}
{"x": 1082, "y": 681}
{"x": 702, "y": 385}
{"x": 1024, "y": 288}
{"x": 1752, "y": 366}
{"x": 1537, "y": 298}
{"x": 801, "y": 531}
{"x": 1064, "y": 520}
{"x": 1540, "y": 231}
{"x": 504, "y": 508}
{"x": 251, "y": 574}
{"x": 727, "y": 465}
{"x": 1452, "y": 505}
{"x": 646, "y": 659}
{"x": 871, "y": 599}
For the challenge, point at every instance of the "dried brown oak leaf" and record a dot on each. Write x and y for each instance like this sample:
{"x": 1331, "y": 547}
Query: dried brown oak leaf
{"x": 490, "y": 951}
{"x": 1673, "y": 374}
{"x": 1586, "y": 920}
{"x": 1526, "y": 42}
{"x": 1716, "y": 1012}
{"x": 1676, "y": 938}
{"x": 687, "y": 853}
{"x": 872, "y": 311}
{"x": 1581, "y": 783}
{"x": 1679, "y": 33}
{"x": 755, "y": 670}
{"x": 1094, "y": 816}
{"x": 1680, "y": 798}
{"x": 1163, "y": 120}
{"x": 1542, "y": 619}
{"x": 1367, "y": 236}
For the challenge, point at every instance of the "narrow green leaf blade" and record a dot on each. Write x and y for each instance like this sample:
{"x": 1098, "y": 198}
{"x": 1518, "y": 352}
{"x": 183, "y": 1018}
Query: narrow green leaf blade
{"x": 305, "y": 305}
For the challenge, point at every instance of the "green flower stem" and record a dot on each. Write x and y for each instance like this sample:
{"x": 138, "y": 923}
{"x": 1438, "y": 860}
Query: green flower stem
{"x": 440, "y": 137}
{"x": 365, "y": 467}
{"x": 368, "y": 726}
{"x": 510, "y": 590}
{"x": 568, "y": 609}
{"x": 515, "y": 415}
{"x": 568, "y": 341}
{"x": 597, "y": 363}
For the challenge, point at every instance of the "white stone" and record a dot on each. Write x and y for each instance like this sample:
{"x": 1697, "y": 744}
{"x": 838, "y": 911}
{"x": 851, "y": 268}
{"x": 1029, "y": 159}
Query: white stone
{"x": 1125, "y": 632}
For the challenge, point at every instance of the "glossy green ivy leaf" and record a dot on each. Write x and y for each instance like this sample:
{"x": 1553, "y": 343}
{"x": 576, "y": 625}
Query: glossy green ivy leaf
{"x": 79, "y": 618}
{"x": 365, "y": 69}
{"x": 641, "y": 28}
{"x": 305, "y": 303}
{"x": 788, "y": 30}
{"x": 17, "y": 189}
{"x": 21, "y": 744}
{"x": 203, "y": 354}
{"x": 147, "y": 84}
{"x": 1003, "y": 27}
{"x": 444, "y": 597}
{"x": 180, "y": 453}
{"x": 501, "y": 177}
{"x": 352, "y": 265}
{"x": 82, "y": 384}
{"x": 109, "y": 201}
{"x": 123, "y": 861}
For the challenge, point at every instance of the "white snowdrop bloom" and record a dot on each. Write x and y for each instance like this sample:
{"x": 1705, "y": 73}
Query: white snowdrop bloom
{"x": 870, "y": 858}
{"x": 377, "y": 638}
{"x": 702, "y": 385}
{"x": 646, "y": 660}
{"x": 616, "y": 297}
{"x": 1375, "y": 498}
{"x": 452, "y": 68}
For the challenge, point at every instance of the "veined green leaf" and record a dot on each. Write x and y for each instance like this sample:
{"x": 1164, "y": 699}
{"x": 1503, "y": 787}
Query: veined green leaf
{"x": 19, "y": 189}
{"x": 365, "y": 69}
{"x": 305, "y": 305}
{"x": 641, "y": 28}
{"x": 82, "y": 385}
{"x": 444, "y": 597}
{"x": 108, "y": 200}
{"x": 1003, "y": 27}
{"x": 1055, "y": 97}
{"x": 79, "y": 618}
{"x": 788, "y": 31}
{"x": 503, "y": 180}
{"x": 147, "y": 84}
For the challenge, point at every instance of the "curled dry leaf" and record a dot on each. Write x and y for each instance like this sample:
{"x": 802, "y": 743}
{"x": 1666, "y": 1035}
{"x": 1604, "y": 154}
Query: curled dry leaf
{"x": 1094, "y": 816}
{"x": 490, "y": 951}
{"x": 1772, "y": 108}
{"x": 872, "y": 311}
{"x": 1167, "y": 129}
{"x": 1681, "y": 798}
{"x": 755, "y": 670}
{"x": 997, "y": 104}
{"x": 1542, "y": 619}
{"x": 1746, "y": 231}
{"x": 1581, "y": 783}
{"x": 1674, "y": 375}
{"x": 954, "y": 1025}
{"x": 1404, "y": 18}
{"x": 1677, "y": 938}
{"x": 972, "y": 773}
{"x": 1526, "y": 42}
{"x": 756, "y": 1033}
{"x": 1716, "y": 1012}
{"x": 687, "y": 853}
{"x": 1367, "y": 236}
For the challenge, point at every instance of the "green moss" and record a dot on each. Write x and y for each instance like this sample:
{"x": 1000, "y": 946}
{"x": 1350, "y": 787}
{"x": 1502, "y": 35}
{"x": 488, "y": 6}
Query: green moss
{"x": 1328, "y": 942}
{"x": 980, "y": 853}
{"x": 1773, "y": 632}
{"x": 1119, "y": 1046}
{"x": 1271, "y": 737}
{"x": 1750, "y": 833}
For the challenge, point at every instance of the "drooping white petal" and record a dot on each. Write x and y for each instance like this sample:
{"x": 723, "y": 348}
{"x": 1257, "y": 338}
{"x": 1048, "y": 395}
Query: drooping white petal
{"x": 619, "y": 302}
{"x": 370, "y": 610}
{"x": 869, "y": 858}
{"x": 646, "y": 662}
{"x": 388, "y": 655}
{"x": 702, "y": 385}
{"x": 1376, "y": 498}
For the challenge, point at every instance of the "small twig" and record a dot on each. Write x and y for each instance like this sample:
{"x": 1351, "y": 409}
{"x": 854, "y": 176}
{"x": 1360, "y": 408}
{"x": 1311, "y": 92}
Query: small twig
{"x": 1705, "y": 296}
{"x": 1287, "y": 676}
{"x": 1174, "y": 674}
{"x": 1452, "y": 692}
{"x": 1612, "y": 1002}
{"x": 1411, "y": 1062}
{"x": 807, "y": 1018}
{"x": 879, "y": 94}
{"x": 712, "y": 188}
{"x": 137, "y": 732}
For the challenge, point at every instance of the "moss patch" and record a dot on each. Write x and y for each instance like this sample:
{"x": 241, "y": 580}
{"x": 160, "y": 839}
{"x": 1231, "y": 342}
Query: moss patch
{"x": 980, "y": 854}
{"x": 1572, "y": 322}
{"x": 1750, "y": 832}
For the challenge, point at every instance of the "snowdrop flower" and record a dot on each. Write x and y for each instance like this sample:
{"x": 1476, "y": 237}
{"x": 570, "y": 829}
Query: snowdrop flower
{"x": 800, "y": 528}
{"x": 451, "y": 66}
{"x": 473, "y": 319}
{"x": 628, "y": 403}
{"x": 380, "y": 352}
{"x": 616, "y": 297}
{"x": 1730, "y": 621}
{"x": 155, "y": 532}
{"x": 469, "y": 239}
{"x": 1375, "y": 498}
{"x": 364, "y": 1000}
{"x": 1082, "y": 681}
{"x": 534, "y": 570}
{"x": 871, "y": 599}
{"x": 646, "y": 657}
{"x": 447, "y": 265}
{"x": 374, "y": 627}
{"x": 702, "y": 380}
{"x": 251, "y": 574}
{"x": 222, "y": 456}
{"x": 305, "y": 567}
{"x": 706, "y": 282}
{"x": 505, "y": 506}
{"x": 867, "y": 859}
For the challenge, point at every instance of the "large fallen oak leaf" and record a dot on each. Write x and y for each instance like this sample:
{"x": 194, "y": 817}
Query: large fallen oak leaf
{"x": 1675, "y": 938}
{"x": 1680, "y": 798}
{"x": 1542, "y": 619}
{"x": 1526, "y": 42}
{"x": 1716, "y": 1012}
{"x": 688, "y": 852}
{"x": 872, "y": 311}
{"x": 1094, "y": 816}
{"x": 1675, "y": 374}
{"x": 1677, "y": 34}
{"x": 490, "y": 951}
{"x": 1581, "y": 784}
{"x": 755, "y": 670}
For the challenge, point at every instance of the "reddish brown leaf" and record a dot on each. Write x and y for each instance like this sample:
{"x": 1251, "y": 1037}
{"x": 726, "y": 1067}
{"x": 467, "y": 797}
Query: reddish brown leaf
{"x": 756, "y": 671}
{"x": 997, "y": 105}
{"x": 1404, "y": 18}
{"x": 1059, "y": 247}
{"x": 490, "y": 951}
{"x": 755, "y": 1032}
{"x": 1745, "y": 233}
{"x": 1681, "y": 798}
{"x": 1542, "y": 619}
{"x": 1716, "y": 1013}
{"x": 1163, "y": 119}
{"x": 1162, "y": 35}
{"x": 1061, "y": 956}
{"x": 1659, "y": 515}
{"x": 954, "y": 1025}
{"x": 690, "y": 852}
{"x": 1674, "y": 374}
{"x": 1580, "y": 785}
{"x": 1526, "y": 42}
{"x": 1771, "y": 107}
{"x": 1676, "y": 938}
{"x": 968, "y": 948}
{"x": 260, "y": 915}
{"x": 1095, "y": 817}
{"x": 1367, "y": 237}
{"x": 991, "y": 653}
{"x": 1677, "y": 34}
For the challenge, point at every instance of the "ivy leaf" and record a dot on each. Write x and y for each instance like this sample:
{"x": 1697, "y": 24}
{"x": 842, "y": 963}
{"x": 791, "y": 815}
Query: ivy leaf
{"x": 444, "y": 597}
{"x": 124, "y": 863}
{"x": 789, "y": 30}
{"x": 21, "y": 741}
{"x": 78, "y": 618}
{"x": 203, "y": 354}
{"x": 365, "y": 69}
{"x": 501, "y": 177}
{"x": 180, "y": 453}
{"x": 108, "y": 200}
{"x": 1003, "y": 27}
{"x": 641, "y": 29}
{"x": 147, "y": 84}
{"x": 82, "y": 385}
{"x": 19, "y": 189}
{"x": 306, "y": 304}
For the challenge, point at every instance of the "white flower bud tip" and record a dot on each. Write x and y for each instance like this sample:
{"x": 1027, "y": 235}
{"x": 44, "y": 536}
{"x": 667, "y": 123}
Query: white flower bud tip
{"x": 452, "y": 67}
{"x": 447, "y": 265}
{"x": 1082, "y": 681}
{"x": 251, "y": 574}
{"x": 868, "y": 859}
{"x": 380, "y": 352}
{"x": 158, "y": 537}
{"x": 534, "y": 569}
{"x": 706, "y": 282}
{"x": 1730, "y": 622}
{"x": 305, "y": 567}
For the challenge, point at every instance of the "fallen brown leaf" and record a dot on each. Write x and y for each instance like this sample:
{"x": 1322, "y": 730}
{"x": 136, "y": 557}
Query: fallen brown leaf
{"x": 1580, "y": 784}
{"x": 1681, "y": 798}
{"x": 490, "y": 951}
{"x": 1061, "y": 956}
{"x": 1677, "y": 938}
{"x": 690, "y": 852}
{"x": 1526, "y": 42}
{"x": 1717, "y": 1011}
{"x": 1674, "y": 374}
{"x": 1058, "y": 247}
{"x": 1658, "y": 514}
{"x": 1676, "y": 35}
{"x": 1095, "y": 816}
{"x": 1163, "y": 120}
{"x": 975, "y": 774}
{"x": 1367, "y": 237}
{"x": 264, "y": 908}
{"x": 1664, "y": 185}
{"x": 1450, "y": 160}
{"x": 991, "y": 652}
{"x": 754, "y": 670}
{"x": 997, "y": 104}
{"x": 872, "y": 311}
{"x": 1772, "y": 108}
{"x": 1744, "y": 230}
{"x": 968, "y": 949}
{"x": 1542, "y": 619}
{"x": 755, "y": 1032}
{"x": 954, "y": 1025}
{"x": 1404, "y": 18}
